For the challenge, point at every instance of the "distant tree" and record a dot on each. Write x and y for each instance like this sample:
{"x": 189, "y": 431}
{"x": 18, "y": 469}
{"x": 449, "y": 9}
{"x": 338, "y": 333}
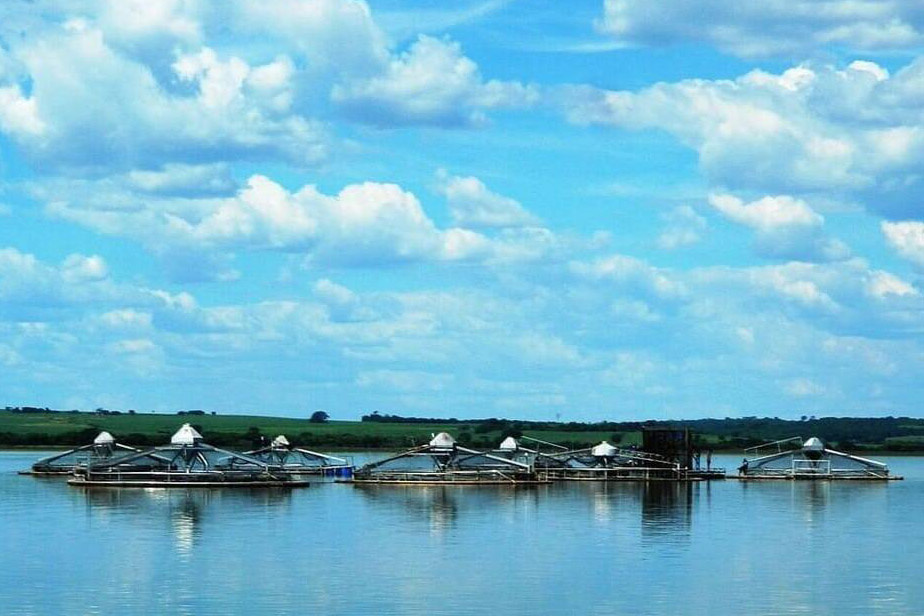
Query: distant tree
{"x": 319, "y": 417}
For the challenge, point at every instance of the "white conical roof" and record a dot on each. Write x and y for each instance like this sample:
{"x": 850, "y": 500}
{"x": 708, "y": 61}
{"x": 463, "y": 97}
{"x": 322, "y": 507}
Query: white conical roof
{"x": 104, "y": 438}
{"x": 281, "y": 441}
{"x": 604, "y": 450}
{"x": 442, "y": 440}
{"x": 509, "y": 443}
{"x": 186, "y": 435}
{"x": 813, "y": 444}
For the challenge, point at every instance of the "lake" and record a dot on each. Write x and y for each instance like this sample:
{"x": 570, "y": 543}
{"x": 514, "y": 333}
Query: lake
{"x": 723, "y": 547}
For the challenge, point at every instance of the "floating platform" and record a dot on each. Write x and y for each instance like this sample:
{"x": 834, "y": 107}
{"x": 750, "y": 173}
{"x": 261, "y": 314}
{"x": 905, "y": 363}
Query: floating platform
{"x": 810, "y": 460}
{"x": 282, "y": 457}
{"x": 103, "y": 447}
{"x": 186, "y": 462}
{"x": 193, "y": 482}
{"x": 606, "y": 462}
{"x": 442, "y": 461}
{"x": 814, "y": 477}
{"x": 442, "y": 481}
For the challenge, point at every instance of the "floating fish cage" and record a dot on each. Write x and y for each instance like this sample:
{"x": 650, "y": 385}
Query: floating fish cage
{"x": 186, "y": 462}
{"x": 444, "y": 462}
{"x": 511, "y": 449}
{"x": 103, "y": 447}
{"x": 794, "y": 459}
{"x": 281, "y": 456}
{"x": 606, "y": 462}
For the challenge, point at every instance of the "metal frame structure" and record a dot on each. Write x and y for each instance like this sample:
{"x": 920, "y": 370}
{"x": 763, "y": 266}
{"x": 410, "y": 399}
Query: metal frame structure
{"x": 103, "y": 447}
{"x": 185, "y": 462}
{"x": 606, "y": 462}
{"x": 810, "y": 459}
{"x": 444, "y": 462}
{"x": 280, "y": 455}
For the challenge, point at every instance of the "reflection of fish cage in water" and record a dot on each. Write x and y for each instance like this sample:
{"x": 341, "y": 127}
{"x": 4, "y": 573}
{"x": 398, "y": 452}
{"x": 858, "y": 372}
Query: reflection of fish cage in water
{"x": 103, "y": 447}
{"x": 794, "y": 459}
{"x": 282, "y": 456}
{"x": 606, "y": 462}
{"x": 185, "y": 462}
{"x": 443, "y": 461}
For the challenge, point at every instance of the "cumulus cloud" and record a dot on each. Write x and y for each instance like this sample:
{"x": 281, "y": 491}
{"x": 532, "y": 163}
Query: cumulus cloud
{"x": 431, "y": 83}
{"x": 852, "y": 133}
{"x": 604, "y": 328}
{"x": 334, "y": 36}
{"x": 473, "y": 205}
{"x": 786, "y": 227}
{"x": 767, "y": 214}
{"x": 844, "y": 297}
{"x": 234, "y": 110}
{"x": 177, "y": 93}
{"x": 683, "y": 227}
{"x": 907, "y": 239}
{"x": 365, "y": 224}
{"x": 774, "y": 27}
{"x": 632, "y": 273}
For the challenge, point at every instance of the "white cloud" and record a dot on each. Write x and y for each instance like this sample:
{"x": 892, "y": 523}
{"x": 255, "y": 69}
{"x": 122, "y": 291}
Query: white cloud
{"x": 768, "y": 213}
{"x": 907, "y": 238}
{"x": 366, "y": 224}
{"x": 338, "y": 36}
{"x": 474, "y": 206}
{"x": 632, "y": 273}
{"x": 601, "y": 331}
{"x": 181, "y": 180}
{"x": 19, "y": 114}
{"x": 786, "y": 227}
{"x": 803, "y": 387}
{"x": 126, "y": 318}
{"x": 852, "y": 133}
{"x": 882, "y": 284}
{"x": 774, "y": 27}
{"x": 430, "y": 83}
{"x": 235, "y": 110}
{"x": 684, "y": 227}
{"x": 79, "y": 268}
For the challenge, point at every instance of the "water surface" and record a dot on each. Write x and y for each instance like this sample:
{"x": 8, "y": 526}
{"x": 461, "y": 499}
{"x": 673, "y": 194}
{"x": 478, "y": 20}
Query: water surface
{"x": 570, "y": 548}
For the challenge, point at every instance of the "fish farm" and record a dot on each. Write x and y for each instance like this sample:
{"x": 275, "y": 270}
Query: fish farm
{"x": 605, "y": 462}
{"x": 186, "y": 462}
{"x": 282, "y": 457}
{"x": 443, "y": 461}
{"x": 795, "y": 459}
{"x": 103, "y": 447}
{"x": 666, "y": 455}
{"x": 673, "y": 459}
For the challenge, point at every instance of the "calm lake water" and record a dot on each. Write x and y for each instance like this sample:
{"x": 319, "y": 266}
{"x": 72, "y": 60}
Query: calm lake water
{"x": 572, "y": 548}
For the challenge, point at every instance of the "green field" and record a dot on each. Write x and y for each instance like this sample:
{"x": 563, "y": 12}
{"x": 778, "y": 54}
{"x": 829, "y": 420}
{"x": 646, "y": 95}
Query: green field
{"x": 43, "y": 429}
{"x": 57, "y": 428}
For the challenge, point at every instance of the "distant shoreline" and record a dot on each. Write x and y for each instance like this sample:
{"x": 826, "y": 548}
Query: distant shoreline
{"x": 41, "y": 429}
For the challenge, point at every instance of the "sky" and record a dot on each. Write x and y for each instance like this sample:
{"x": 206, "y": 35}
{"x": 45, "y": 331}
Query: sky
{"x": 592, "y": 210}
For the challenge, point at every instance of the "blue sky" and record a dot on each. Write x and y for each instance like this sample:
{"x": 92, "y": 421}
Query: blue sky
{"x": 614, "y": 210}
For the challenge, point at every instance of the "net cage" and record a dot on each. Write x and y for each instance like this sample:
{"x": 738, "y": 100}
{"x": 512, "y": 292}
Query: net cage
{"x": 608, "y": 462}
{"x": 282, "y": 455}
{"x": 443, "y": 460}
{"x": 511, "y": 449}
{"x": 605, "y": 455}
{"x": 185, "y": 460}
{"x": 103, "y": 447}
{"x": 794, "y": 458}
